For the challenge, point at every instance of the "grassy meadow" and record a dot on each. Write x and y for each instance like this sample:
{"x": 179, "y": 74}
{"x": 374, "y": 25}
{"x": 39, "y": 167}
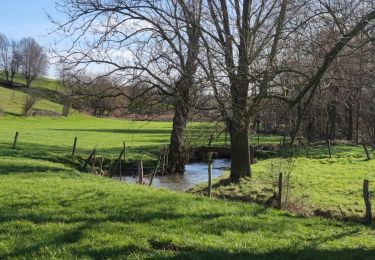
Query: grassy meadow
{"x": 49, "y": 210}
{"x": 316, "y": 182}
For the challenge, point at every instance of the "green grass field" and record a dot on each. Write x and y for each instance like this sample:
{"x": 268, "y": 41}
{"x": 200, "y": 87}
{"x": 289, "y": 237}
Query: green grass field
{"x": 333, "y": 186}
{"x": 49, "y": 211}
{"x": 55, "y": 135}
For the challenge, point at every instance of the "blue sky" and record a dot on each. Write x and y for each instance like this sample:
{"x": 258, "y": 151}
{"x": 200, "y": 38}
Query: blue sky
{"x": 27, "y": 18}
{"x": 24, "y": 18}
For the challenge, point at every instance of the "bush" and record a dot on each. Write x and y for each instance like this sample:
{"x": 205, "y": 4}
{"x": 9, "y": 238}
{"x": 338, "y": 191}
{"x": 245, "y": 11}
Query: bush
{"x": 30, "y": 101}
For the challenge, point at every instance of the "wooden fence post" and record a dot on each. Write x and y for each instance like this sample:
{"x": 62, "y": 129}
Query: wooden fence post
{"x": 166, "y": 160}
{"x": 15, "y": 140}
{"x": 119, "y": 169}
{"x": 74, "y": 146}
{"x": 156, "y": 170}
{"x": 93, "y": 163}
{"x": 366, "y": 151}
{"x": 140, "y": 172}
{"x": 209, "y": 164}
{"x": 89, "y": 158}
{"x": 124, "y": 151}
{"x": 366, "y": 197}
{"x": 329, "y": 149}
{"x": 117, "y": 164}
{"x": 101, "y": 166}
{"x": 280, "y": 186}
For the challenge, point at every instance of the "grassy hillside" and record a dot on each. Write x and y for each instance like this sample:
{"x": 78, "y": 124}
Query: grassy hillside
{"x": 42, "y": 82}
{"x": 48, "y": 92}
{"x": 12, "y": 101}
{"x": 49, "y": 211}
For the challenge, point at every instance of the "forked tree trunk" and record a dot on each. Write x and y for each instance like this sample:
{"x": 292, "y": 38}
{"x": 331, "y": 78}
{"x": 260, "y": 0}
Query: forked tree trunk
{"x": 177, "y": 156}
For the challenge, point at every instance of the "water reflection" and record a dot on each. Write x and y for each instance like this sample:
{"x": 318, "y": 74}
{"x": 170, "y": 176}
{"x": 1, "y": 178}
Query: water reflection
{"x": 196, "y": 173}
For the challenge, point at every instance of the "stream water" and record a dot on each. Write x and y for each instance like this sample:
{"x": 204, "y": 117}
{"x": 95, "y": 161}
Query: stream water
{"x": 195, "y": 173}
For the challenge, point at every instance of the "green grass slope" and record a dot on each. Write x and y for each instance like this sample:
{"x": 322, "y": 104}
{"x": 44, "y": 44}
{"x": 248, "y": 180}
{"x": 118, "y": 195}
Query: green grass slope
{"x": 12, "y": 101}
{"x": 49, "y": 211}
{"x": 48, "y": 92}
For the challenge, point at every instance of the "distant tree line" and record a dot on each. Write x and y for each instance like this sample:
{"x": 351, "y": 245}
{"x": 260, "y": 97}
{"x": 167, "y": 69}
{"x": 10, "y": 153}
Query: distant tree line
{"x": 25, "y": 57}
{"x": 293, "y": 66}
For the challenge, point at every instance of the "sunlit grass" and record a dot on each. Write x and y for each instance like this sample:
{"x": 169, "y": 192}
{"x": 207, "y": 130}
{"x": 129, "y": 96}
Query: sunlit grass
{"x": 49, "y": 211}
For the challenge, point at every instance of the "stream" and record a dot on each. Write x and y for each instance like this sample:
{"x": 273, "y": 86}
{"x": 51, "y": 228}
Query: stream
{"x": 195, "y": 173}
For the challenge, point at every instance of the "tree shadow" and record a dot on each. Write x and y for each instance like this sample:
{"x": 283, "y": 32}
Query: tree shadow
{"x": 137, "y": 131}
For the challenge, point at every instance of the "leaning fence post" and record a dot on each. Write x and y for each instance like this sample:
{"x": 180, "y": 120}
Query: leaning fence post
{"x": 366, "y": 197}
{"x": 209, "y": 163}
{"x": 140, "y": 172}
{"x": 74, "y": 146}
{"x": 117, "y": 163}
{"x": 89, "y": 159}
{"x": 366, "y": 151}
{"x": 15, "y": 140}
{"x": 279, "y": 197}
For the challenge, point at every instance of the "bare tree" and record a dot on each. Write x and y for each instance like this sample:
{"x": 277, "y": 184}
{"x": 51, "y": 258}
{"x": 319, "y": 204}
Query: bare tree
{"x": 247, "y": 42}
{"x": 5, "y": 55}
{"x": 15, "y": 62}
{"x": 34, "y": 60}
{"x": 152, "y": 42}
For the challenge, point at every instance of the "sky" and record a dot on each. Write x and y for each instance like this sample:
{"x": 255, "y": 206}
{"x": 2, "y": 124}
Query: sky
{"x": 28, "y": 18}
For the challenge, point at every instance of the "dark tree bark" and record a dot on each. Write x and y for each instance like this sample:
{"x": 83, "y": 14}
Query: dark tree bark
{"x": 177, "y": 156}
{"x": 240, "y": 165}
{"x": 310, "y": 129}
{"x": 349, "y": 133}
{"x": 331, "y": 124}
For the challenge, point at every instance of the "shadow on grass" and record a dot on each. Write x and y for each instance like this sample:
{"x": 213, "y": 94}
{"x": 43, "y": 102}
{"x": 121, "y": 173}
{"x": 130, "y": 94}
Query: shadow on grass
{"x": 279, "y": 254}
{"x": 51, "y": 152}
{"x": 17, "y": 168}
{"x": 136, "y": 131}
{"x": 85, "y": 211}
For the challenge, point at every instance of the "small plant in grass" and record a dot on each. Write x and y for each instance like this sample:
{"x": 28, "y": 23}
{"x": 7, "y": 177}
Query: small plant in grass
{"x": 30, "y": 101}
{"x": 284, "y": 166}
{"x": 2, "y": 111}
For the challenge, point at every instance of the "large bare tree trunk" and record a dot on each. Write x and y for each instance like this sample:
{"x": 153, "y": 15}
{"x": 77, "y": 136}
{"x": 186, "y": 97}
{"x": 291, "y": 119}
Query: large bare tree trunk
{"x": 177, "y": 156}
{"x": 239, "y": 132}
{"x": 240, "y": 153}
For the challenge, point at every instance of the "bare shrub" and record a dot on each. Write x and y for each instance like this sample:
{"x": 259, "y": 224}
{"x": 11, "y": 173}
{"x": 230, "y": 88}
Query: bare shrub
{"x": 30, "y": 101}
